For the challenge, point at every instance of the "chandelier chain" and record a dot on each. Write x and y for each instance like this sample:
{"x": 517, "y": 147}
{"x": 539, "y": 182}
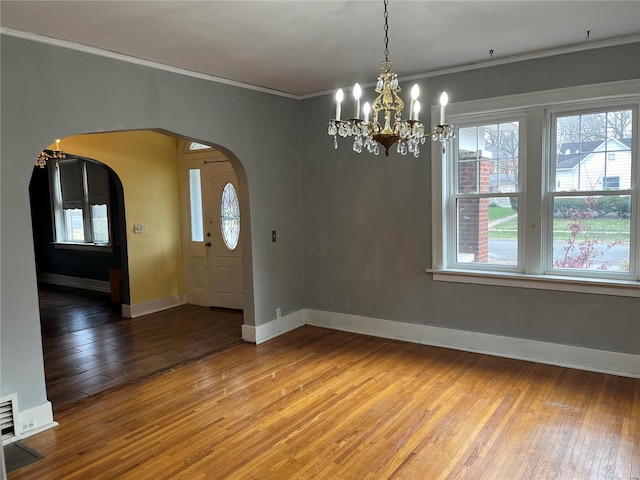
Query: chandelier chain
{"x": 386, "y": 32}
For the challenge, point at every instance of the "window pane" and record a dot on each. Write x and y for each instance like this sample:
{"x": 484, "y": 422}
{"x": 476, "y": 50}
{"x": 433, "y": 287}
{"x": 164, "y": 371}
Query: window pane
{"x": 198, "y": 146}
{"x": 195, "y": 199}
{"x": 592, "y": 149}
{"x": 487, "y": 230}
{"x": 73, "y": 224}
{"x": 71, "y": 184}
{"x": 97, "y": 183}
{"x": 592, "y": 233}
{"x": 230, "y": 216}
{"x": 488, "y": 158}
{"x": 100, "y": 223}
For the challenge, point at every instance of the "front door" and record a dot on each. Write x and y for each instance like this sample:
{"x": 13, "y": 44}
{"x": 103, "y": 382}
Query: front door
{"x": 211, "y": 230}
{"x": 222, "y": 240}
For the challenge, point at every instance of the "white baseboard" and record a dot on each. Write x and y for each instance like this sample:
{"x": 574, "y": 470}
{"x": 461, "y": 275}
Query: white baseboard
{"x": 35, "y": 420}
{"x": 76, "y": 282}
{"x": 581, "y": 358}
{"x": 272, "y": 329}
{"x": 153, "y": 306}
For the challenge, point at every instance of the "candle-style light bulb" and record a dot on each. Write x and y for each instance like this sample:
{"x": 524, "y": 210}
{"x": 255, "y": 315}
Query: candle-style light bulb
{"x": 57, "y": 144}
{"x": 415, "y": 93}
{"x": 416, "y": 110}
{"x": 357, "y": 91}
{"x": 339, "y": 97}
{"x": 444, "y": 99}
{"x": 366, "y": 110}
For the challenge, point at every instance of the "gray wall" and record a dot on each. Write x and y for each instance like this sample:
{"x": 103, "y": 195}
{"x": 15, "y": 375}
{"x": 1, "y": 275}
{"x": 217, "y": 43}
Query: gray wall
{"x": 367, "y": 223}
{"x": 85, "y": 93}
{"x": 367, "y": 234}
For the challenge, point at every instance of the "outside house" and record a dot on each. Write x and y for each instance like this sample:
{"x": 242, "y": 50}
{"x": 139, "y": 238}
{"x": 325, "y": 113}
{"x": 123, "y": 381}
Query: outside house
{"x": 597, "y": 165}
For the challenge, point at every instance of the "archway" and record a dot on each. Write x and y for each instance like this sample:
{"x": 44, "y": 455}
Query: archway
{"x": 144, "y": 166}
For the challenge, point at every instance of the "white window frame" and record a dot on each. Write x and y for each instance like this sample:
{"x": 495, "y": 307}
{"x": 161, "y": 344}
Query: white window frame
{"x": 472, "y": 121}
{"x": 60, "y": 240}
{"x": 533, "y": 272}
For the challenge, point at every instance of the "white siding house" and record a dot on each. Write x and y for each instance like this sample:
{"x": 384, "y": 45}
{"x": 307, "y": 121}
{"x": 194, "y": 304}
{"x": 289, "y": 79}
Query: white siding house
{"x": 594, "y": 165}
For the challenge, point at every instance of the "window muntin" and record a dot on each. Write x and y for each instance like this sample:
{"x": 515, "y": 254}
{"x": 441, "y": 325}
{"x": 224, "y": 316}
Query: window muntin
{"x": 80, "y": 198}
{"x": 486, "y": 194}
{"x": 230, "y": 216}
{"x": 591, "y": 218}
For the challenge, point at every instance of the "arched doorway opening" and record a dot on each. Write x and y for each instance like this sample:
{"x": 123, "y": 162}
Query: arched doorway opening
{"x": 145, "y": 167}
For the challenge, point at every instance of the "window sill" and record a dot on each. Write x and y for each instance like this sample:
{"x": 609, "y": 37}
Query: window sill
{"x": 96, "y": 247}
{"x": 619, "y": 288}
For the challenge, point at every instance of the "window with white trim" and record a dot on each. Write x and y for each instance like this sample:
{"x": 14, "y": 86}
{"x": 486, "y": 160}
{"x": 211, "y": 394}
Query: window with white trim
{"x": 590, "y": 219}
{"x": 485, "y": 193}
{"x": 544, "y": 193}
{"x": 80, "y": 191}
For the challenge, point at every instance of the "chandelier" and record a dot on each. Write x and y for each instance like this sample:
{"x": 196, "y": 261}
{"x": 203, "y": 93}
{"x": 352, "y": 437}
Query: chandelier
{"x": 45, "y": 155}
{"x": 369, "y": 132}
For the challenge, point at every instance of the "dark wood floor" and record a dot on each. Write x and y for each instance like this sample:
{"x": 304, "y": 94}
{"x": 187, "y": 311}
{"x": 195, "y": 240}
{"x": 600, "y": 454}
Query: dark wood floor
{"x": 322, "y": 404}
{"x": 89, "y": 348}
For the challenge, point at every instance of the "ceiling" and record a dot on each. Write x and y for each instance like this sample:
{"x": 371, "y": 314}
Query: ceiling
{"x": 302, "y": 47}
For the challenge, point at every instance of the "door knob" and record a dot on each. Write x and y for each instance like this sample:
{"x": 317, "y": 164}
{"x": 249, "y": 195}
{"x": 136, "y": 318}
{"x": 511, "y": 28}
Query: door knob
{"x": 208, "y": 244}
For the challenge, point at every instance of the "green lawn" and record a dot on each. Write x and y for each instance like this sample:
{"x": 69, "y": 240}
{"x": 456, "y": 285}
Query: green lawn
{"x": 606, "y": 229}
{"x": 500, "y": 212}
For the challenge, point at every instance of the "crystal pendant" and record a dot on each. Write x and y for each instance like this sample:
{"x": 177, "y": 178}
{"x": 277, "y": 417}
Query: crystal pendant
{"x": 335, "y": 142}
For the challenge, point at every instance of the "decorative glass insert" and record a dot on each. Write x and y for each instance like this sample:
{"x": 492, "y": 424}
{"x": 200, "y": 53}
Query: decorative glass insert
{"x": 195, "y": 199}
{"x": 230, "y": 217}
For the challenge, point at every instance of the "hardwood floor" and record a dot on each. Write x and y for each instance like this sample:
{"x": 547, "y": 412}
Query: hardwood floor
{"x": 67, "y": 310}
{"x": 316, "y": 403}
{"x": 89, "y": 348}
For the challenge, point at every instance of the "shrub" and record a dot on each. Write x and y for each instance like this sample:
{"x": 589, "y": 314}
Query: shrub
{"x": 602, "y": 206}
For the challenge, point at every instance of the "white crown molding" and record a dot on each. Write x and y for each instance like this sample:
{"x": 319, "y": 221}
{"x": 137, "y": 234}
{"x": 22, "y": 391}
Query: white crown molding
{"x": 589, "y": 45}
{"x": 612, "y": 42}
{"x": 138, "y": 61}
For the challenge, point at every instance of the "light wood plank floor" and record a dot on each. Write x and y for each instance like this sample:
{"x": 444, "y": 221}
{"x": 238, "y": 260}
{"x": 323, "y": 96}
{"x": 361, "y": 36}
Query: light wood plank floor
{"x": 316, "y": 403}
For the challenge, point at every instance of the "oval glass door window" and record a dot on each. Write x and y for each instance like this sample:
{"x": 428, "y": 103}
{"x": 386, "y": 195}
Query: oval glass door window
{"x": 230, "y": 216}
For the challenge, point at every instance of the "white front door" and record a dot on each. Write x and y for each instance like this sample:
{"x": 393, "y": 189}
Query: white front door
{"x": 222, "y": 236}
{"x": 211, "y": 227}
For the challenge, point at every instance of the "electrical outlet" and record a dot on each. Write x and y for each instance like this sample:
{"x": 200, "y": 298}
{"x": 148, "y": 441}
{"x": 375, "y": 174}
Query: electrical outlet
{"x": 28, "y": 425}
{"x": 138, "y": 228}
{"x": 278, "y": 312}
